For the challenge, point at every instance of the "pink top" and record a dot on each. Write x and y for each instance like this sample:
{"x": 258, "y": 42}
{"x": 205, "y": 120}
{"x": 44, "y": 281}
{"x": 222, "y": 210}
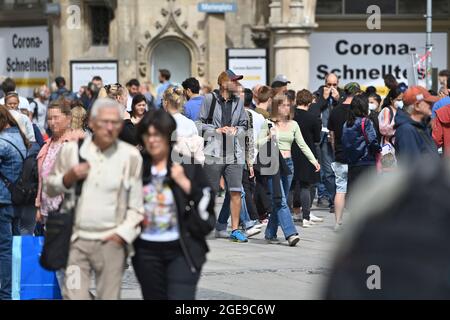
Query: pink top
{"x": 46, "y": 160}
{"x": 49, "y": 204}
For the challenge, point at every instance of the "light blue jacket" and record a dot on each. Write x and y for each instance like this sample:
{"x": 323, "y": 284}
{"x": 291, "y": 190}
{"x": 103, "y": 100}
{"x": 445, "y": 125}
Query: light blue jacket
{"x": 10, "y": 159}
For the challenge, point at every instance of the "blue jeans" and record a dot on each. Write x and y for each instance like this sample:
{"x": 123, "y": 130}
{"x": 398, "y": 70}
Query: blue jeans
{"x": 326, "y": 172}
{"x": 281, "y": 214}
{"x": 224, "y": 215}
{"x": 6, "y": 237}
{"x": 287, "y": 180}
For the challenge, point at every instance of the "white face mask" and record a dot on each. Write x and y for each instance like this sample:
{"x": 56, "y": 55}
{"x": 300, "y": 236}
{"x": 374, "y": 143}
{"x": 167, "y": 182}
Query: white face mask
{"x": 399, "y": 104}
{"x": 372, "y": 106}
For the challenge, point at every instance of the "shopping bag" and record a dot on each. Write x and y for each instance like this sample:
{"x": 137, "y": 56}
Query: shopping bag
{"x": 29, "y": 280}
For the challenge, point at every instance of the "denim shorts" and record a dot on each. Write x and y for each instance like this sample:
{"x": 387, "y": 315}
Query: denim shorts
{"x": 341, "y": 173}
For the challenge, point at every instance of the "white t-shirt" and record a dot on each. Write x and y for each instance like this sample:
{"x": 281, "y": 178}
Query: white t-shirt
{"x": 129, "y": 103}
{"x": 160, "y": 220}
{"x": 41, "y": 115}
{"x": 258, "y": 122}
{"x": 23, "y": 103}
{"x": 185, "y": 126}
{"x": 24, "y": 124}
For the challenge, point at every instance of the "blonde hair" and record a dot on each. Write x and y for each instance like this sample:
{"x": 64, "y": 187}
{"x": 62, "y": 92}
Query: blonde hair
{"x": 175, "y": 98}
{"x": 79, "y": 117}
{"x": 276, "y": 102}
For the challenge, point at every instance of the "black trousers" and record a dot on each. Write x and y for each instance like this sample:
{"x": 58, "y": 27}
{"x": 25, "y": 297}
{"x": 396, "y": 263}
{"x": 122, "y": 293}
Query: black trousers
{"x": 303, "y": 196}
{"x": 249, "y": 189}
{"x": 262, "y": 196}
{"x": 162, "y": 271}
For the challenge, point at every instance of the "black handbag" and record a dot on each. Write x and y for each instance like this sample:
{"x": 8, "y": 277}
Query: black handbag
{"x": 58, "y": 231}
{"x": 268, "y": 163}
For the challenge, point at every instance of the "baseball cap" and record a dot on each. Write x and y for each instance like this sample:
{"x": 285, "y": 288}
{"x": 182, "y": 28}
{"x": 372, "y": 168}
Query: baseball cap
{"x": 280, "y": 81}
{"x": 416, "y": 94}
{"x": 352, "y": 88}
{"x": 228, "y": 75}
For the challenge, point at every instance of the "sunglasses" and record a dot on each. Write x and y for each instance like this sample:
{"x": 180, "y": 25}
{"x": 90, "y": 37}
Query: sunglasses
{"x": 332, "y": 85}
{"x": 11, "y": 94}
{"x": 113, "y": 87}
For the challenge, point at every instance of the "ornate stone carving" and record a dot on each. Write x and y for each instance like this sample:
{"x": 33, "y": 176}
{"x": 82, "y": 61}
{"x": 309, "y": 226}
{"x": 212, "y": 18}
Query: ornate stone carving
{"x": 201, "y": 69}
{"x": 171, "y": 24}
{"x": 143, "y": 69}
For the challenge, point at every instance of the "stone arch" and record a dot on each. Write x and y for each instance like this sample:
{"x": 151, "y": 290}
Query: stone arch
{"x": 194, "y": 52}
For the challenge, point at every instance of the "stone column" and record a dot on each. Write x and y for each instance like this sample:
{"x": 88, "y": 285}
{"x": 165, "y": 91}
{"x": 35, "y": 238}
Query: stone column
{"x": 68, "y": 39}
{"x": 216, "y": 46}
{"x": 290, "y": 30}
{"x": 127, "y": 50}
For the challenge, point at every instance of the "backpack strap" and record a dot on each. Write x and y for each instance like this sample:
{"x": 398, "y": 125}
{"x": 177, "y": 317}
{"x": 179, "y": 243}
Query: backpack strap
{"x": 21, "y": 155}
{"x": 363, "y": 127}
{"x": 79, "y": 184}
{"x": 212, "y": 108}
{"x": 5, "y": 180}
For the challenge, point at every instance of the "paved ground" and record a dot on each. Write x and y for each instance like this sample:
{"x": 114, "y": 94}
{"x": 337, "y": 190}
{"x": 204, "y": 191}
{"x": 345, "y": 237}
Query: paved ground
{"x": 257, "y": 270}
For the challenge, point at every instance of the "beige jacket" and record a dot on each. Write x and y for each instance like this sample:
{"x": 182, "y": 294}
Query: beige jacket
{"x": 112, "y": 197}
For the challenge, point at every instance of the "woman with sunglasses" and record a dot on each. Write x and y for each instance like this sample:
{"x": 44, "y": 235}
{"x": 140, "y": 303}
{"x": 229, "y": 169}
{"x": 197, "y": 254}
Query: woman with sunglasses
{"x": 179, "y": 214}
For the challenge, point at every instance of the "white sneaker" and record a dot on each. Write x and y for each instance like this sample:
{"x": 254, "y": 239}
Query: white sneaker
{"x": 338, "y": 227}
{"x": 258, "y": 225}
{"x": 307, "y": 224}
{"x": 252, "y": 232}
{"x": 222, "y": 234}
{"x": 297, "y": 217}
{"x": 293, "y": 240}
{"x": 313, "y": 218}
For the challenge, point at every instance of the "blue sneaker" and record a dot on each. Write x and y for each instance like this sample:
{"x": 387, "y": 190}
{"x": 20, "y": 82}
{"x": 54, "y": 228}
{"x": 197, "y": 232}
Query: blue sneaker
{"x": 238, "y": 236}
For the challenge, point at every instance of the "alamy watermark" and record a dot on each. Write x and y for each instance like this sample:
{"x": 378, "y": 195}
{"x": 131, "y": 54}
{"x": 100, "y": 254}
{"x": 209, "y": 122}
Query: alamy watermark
{"x": 374, "y": 20}
{"x": 374, "y": 280}
{"x": 74, "y": 17}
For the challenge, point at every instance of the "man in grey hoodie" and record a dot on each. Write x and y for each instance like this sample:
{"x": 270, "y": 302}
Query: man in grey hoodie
{"x": 223, "y": 122}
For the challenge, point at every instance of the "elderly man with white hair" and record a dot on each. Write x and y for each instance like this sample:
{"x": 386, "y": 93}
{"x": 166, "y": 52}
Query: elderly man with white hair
{"x": 110, "y": 208}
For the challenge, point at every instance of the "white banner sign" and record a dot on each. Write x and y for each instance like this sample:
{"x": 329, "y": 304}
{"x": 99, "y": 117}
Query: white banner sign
{"x": 367, "y": 57}
{"x": 251, "y": 63}
{"x": 24, "y": 56}
{"x": 82, "y": 72}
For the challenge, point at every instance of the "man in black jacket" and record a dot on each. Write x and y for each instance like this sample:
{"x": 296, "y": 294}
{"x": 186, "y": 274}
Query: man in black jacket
{"x": 327, "y": 97}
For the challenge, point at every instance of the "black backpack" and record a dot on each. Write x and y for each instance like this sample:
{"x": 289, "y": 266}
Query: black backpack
{"x": 24, "y": 190}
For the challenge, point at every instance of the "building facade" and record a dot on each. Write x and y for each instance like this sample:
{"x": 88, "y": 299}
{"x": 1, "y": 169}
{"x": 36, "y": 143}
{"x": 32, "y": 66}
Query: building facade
{"x": 146, "y": 35}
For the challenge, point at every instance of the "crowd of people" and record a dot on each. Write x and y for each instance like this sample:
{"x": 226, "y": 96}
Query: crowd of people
{"x": 142, "y": 172}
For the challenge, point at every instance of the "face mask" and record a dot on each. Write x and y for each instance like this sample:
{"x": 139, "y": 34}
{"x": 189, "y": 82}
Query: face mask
{"x": 399, "y": 104}
{"x": 372, "y": 106}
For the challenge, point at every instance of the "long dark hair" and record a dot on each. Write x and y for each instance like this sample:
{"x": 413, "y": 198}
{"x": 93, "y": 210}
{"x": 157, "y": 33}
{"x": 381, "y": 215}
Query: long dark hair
{"x": 165, "y": 124}
{"x": 358, "y": 108}
{"x": 394, "y": 93}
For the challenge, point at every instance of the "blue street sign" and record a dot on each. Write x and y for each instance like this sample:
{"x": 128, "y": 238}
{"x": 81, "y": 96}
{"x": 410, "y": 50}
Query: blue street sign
{"x": 217, "y": 7}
